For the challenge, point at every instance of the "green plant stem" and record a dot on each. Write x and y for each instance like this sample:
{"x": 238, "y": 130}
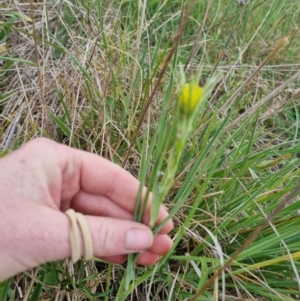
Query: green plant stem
{"x": 183, "y": 131}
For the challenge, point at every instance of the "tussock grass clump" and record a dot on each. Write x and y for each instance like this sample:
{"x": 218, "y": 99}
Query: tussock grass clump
{"x": 102, "y": 76}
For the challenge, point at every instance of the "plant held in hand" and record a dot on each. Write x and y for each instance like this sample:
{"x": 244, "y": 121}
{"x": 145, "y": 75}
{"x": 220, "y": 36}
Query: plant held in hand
{"x": 190, "y": 99}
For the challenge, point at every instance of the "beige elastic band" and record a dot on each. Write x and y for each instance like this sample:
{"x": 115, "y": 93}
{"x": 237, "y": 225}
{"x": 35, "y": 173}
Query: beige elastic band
{"x": 77, "y": 219}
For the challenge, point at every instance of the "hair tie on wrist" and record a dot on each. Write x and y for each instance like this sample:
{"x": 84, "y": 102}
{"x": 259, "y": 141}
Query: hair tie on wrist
{"x": 78, "y": 222}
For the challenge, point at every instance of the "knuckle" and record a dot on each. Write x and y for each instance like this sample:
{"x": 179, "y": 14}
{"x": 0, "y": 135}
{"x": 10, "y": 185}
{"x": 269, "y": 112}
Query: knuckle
{"x": 104, "y": 236}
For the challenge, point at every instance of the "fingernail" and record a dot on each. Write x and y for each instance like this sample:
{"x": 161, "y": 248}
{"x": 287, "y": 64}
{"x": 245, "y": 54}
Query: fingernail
{"x": 138, "y": 239}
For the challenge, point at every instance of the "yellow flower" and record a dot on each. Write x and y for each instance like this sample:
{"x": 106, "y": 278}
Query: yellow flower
{"x": 189, "y": 97}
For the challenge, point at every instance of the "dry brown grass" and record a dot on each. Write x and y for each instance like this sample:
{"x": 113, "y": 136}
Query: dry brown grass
{"x": 60, "y": 76}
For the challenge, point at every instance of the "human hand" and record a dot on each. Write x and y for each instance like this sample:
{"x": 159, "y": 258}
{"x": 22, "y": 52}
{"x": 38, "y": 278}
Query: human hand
{"x": 42, "y": 180}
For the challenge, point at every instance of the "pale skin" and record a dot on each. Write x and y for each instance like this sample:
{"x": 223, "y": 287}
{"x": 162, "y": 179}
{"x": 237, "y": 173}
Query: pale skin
{"x": 42, "y": 180}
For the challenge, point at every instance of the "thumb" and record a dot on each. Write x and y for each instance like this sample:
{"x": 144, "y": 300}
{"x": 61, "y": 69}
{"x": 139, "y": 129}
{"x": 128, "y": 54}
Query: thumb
{"x": 45, "y": 237}
{"x": 113, "y": 236}
{"x": 110, "y": 237}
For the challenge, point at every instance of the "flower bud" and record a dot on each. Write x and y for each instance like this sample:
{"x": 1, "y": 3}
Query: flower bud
{"x": 189, "y": 97}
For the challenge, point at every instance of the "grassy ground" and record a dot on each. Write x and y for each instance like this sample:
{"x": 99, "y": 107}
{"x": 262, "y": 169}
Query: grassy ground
{"x": 81, "y": 72}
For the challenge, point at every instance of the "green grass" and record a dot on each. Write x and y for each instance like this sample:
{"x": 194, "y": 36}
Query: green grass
{"x": 99, "y": 62}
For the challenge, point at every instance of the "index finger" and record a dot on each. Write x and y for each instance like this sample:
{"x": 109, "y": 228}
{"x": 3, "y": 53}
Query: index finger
{"x": 99, "y": 176}
{"x": 102, "y": 177}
